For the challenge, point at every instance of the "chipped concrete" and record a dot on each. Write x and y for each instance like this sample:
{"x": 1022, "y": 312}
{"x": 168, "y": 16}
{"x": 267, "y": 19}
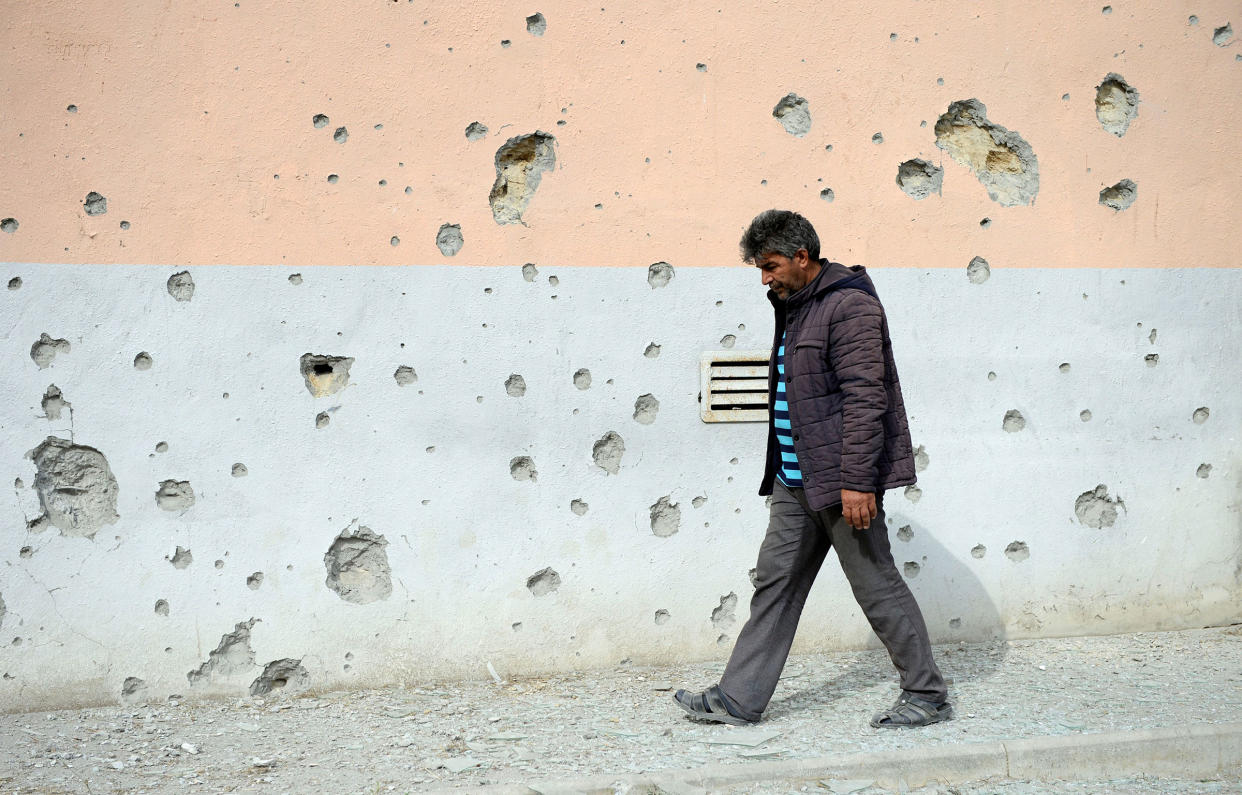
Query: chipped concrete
{"x": 652, "y": 351}
{"x": 1223, "y": 35}
{"x": 522, "y": 467}
{"x": 665, "y": 517}
{"x": 1014, "y": 421}
{"x": 582, "y": 379}
{"x": 905, "y": 533}
{"x": 1096, "y": 509}
{"x": 920, "y": 178}
{"x": 357, "y": 566}
{"x": 285, "y": 677}
{"x": 181, "y": 559}
{"x": 1120, "y": 196}
{"x": 1116, "y": 104}
{"x": 659, "y": 274}
{"x": 921, "y": 459}
{"x": 515, "y": 385}
{"x": 77, "y": 490}
{"x": 529, "y": 271}
{"x": 536, "y": 24}
{"x": 520, "y": 165}
{"x": 543, "y": 582}
{"x": 405, "y": 375}
{"x": 608, "y": 451}
{"x": 143, "y": 361}
{"x": 449, "y": 239}
{"x": 181, "y": 286}
{"x": 475, "y": 131}
{"x": 53, "y": 402}
{"x": 579, "y": 507}
{"x": 1017, "y": 551}
{"x": 45, "y": 350}
{"x": 95, "y": 204}
{"x": 1001, "y": 159}
{"x": 978, "y": 271}
{"x": 174, "y": 495}
{"x": 325, "y": 375}
{"x": 794, "y": 114}
{"x": 1201, "y": 415}
{"x": 646, "y": 408}
{"x": 724, "y": 615}
{"x": 232, "y": 655}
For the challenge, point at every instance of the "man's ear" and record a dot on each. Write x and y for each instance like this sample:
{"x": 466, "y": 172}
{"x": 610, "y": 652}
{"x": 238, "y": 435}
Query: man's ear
{"x": 802, "y": 258}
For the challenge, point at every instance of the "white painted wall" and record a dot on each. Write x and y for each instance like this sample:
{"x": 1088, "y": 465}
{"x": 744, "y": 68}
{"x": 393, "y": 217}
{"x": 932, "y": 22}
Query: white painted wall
{"x": 463, "y": 536}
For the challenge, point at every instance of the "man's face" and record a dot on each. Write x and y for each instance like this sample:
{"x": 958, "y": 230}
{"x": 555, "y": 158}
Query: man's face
{"x": 785, "y": 275}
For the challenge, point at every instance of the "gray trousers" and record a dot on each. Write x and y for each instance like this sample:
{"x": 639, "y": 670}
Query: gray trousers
{"x": 796, "y": 543}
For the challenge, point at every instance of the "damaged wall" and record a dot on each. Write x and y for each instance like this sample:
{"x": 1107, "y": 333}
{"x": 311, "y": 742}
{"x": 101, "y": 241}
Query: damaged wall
{"x": 239, "y": 467}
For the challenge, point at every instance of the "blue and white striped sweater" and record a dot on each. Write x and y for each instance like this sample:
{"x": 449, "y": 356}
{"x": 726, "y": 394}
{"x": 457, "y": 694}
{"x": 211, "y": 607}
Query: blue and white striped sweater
{"x": 787, "y": 469}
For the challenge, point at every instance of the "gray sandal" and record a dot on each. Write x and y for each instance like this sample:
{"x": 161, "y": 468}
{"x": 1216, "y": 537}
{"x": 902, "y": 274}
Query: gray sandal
{"x": 708, "y": 705}
{"x": 910, "y": 712}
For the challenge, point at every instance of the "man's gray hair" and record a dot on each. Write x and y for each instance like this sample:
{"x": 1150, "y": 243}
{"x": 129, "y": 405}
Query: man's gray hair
{"x": 779, "y": 232}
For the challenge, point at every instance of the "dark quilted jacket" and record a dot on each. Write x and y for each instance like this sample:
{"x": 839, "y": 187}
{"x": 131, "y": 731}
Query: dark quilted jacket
{"x": 849, "y": 421}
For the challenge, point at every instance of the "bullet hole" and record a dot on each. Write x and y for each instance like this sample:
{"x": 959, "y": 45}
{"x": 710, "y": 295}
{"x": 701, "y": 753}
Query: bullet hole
{"x": 913, "y": 493}
{"x": 728, "y": 341}
{"x": 722, "y": 640}
{"x": 1119, "y": 196}
{"x": 142, "y": 361}
{"x": 72, "y": 108}
{"x": 978, "y": 551}
{"x": 661, "y": 617}
{"x": 132, "y": 689}
{"x": 295, "y": 278}
{"x": 652, "y": 351}
{"x": 322, "y": 419}
{"x": 1064, "y": 367}
{"x": 978, "y": 271}
{"x": 45, "y": 350}
{"x": 1152, "y": 337}
{"x": 582, "y": 379}
{"x": 1222, "y": 35}
{"x": 394, "y": 241}
{"x": 724, "y": 615}
{"x": 1152, "y": 359}
{"x": 9, "y": 225}
{"x": 536, "y": 25}
{"x": 828, "y": 195}
{"x": 219, "y": 564}
{"x": 1096, "y": 509}
{"x": 520, "y": 165}
{"x": 1085, "y": 415}
{"x": 286, "y": 676}
{"x": 174, "y": 495}
{"x": 161, "y": 607}
{"x": 1065, "y": 97}
{"x": 665, "y": 517}
{"x": 54, "y": 403}
{"x": 921, "y": 459}
{"x": 181, "y": 286}
{"x": 333, "y": 179}
{"x": 357, "y": 566}
{"x": 1201, "y": 415}
{"x": 1001, "y": 159}
{"x": 77, "y": 490}
{"x": 1014, "y": 421}
{"x": 325, "y": 375}
{"x": 24, "y": 552}
{"x": 543, "y": 582}
{"x": 505, "y": 43}
{"x": 405, "y": 375}
{"x": 1192, "y": 20}
{"x": 529, "y": 271}
{"x": 523, "y": 468}
{"x": 161, "y": 447}
{"x": 239, "y": 470}
{"x": 181, "y": 559}
{"x": 920, "y": 178}
{"x": 341, "y": 135}
{"x": 579, "y": 507}
{"x": 231, "y": 655}
{"x": 449, "y": 239}
{"x": 15, "y": 283}
{"x": 95, "y": 204}
{"x": 515, "y": 385}
{"x": 905, "y": 533}
{"x": 1106, "y": 10}
{"x": 1116, "y": 104}
{"x": 607, "y": 452}
{"x": 319, "y": 120}
{"x": 476, "y": 130}
{"x": 1017, "y": 551}
{"x": 553, "y": 281}
{"x": 794, "y": 114}
{"x": 911, "y": 569}
{"x": 659, "y": 274}
{"x": 646, "y": 407}
{"x": 1203, "y": 471}
{"x": 878, "y": 138}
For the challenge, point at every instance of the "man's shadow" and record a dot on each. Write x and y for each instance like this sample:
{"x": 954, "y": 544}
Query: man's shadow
{"x": 955, "y": 606}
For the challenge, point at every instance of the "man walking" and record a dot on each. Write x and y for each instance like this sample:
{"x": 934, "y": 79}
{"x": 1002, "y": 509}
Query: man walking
{"x": 837, "y": 438}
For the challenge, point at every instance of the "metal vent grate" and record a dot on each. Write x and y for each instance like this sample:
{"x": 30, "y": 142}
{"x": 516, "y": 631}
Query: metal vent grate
{"x": 734, "y": 386}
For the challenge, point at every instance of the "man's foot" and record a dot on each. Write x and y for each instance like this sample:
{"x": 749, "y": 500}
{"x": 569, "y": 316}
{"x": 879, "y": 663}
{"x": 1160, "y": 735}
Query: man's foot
{"x": 709, "y": 705}
{"x": 911, "y": 711}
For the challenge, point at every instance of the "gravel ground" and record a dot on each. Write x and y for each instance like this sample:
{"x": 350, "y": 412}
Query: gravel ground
{"x": 465, "y": 735}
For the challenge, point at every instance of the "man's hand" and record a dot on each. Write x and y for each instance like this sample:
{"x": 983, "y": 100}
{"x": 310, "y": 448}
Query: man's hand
{"x": 858, "y": 507}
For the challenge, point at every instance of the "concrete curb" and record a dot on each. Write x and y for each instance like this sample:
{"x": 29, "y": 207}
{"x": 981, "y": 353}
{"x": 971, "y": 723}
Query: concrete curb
{"x": 1187, "y": 751}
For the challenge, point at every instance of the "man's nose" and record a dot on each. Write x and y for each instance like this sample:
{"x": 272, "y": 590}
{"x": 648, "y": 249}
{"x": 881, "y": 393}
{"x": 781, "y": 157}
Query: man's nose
{"x": 767, "y": 278}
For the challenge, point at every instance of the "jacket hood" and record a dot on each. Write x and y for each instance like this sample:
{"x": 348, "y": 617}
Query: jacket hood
{"x": 831, "y": 276}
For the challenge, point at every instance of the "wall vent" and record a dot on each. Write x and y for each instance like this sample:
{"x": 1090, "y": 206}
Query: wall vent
{"x": 734, "y": 386}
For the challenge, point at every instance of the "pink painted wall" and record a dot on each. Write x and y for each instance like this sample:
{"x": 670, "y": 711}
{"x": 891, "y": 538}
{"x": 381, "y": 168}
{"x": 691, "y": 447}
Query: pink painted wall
{"x": 185, "y": 112}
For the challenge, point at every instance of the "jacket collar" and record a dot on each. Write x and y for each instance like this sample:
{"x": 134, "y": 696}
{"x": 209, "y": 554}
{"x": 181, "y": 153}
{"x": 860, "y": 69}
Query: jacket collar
{"x": 831, "y": 276}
